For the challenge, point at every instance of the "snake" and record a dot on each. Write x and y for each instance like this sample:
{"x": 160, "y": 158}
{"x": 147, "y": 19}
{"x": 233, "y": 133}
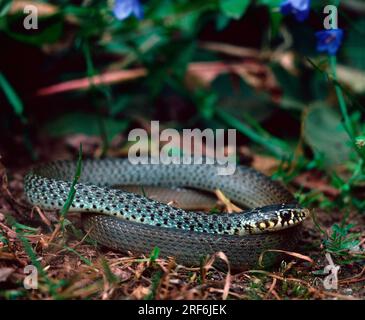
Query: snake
{"x": 137, "y": 223}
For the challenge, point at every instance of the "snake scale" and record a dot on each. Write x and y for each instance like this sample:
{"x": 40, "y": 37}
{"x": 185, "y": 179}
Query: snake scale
{"x": 128, "y": 221}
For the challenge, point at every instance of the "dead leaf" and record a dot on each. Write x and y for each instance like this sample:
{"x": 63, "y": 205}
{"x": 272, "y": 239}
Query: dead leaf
{"x": 221, "y": 255}
{"x": 290, "y": 253}
{"x": 140, "y": 292}
{"x": 5, "y": 273}
{"x": 228, "y": 204}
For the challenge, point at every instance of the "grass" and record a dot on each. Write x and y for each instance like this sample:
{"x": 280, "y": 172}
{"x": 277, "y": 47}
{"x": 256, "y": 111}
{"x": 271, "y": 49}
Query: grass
{"x": 166, "y": 43}
{"x": 277, "y": 147}
{"x": 344, "y": 110}
{"x": 12, "y": 97}
{"x": 97, "y": 273}
{"x": 107, "y": 274}
{"x": 19, "y": 229}
{"x": 72, "y": 192}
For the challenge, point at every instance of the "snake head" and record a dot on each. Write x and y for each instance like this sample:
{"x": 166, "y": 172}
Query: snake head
{"x": 289, "y": 216}
{"x": 278, "y": 217}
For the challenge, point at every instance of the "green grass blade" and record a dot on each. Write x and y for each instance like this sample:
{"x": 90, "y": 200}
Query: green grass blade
{"x": 72, "y": 192}
{"x": 12, "y": 97}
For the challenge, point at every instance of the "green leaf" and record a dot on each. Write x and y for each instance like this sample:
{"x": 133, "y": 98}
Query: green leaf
{"x": 154, "y": 254}
{"x": 221, "y": 22}
{"x": 45, "y": 35}
{"x": 156, "y": 278}
{"x": 270, "y": 3}
{"x": 275, "y": 19}
{"x": 85, "y": 260}
{"x": 110, "y": 276}
{"x": 78, "y": 11}
{"x": 325, "y": 134}
{"x": 293, "y": 90}
{"x": 234, "y": 8}
{"x": 5, "y": 7}
{"x": 188, "y": 22}
{"x": 206, "y": 103}
{"x": 12, "y": 96}
{"x": 72, "y": 192}
{"x": 338, "y": 230}
{"x": 86, "y": 123}
{"x": 3, "y": 239}
{"x": 238, "y": 98}
{"x": 272, "y": 144}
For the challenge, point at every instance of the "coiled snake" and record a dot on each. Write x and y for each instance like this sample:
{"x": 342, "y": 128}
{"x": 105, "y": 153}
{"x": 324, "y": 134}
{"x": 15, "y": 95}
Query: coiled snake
{"x": 128, "y": 221}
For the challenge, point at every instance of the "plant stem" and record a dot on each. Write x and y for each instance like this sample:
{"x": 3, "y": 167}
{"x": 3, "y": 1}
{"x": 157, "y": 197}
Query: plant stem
{"x": 343, "y": 107}
{"x": 277, "y": 147}
{"x": 341, "y": 99}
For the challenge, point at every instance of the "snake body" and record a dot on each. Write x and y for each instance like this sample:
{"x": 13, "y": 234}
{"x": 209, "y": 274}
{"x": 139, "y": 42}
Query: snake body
{"x": 132, "y": 222}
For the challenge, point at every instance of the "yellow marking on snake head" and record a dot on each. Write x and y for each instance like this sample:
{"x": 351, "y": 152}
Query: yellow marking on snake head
{"x": 271, "y": 224}
{"x": 262, "y": 225}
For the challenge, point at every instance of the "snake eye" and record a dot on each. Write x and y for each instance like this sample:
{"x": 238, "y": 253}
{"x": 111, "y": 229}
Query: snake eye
{"x": 286, "y": 215}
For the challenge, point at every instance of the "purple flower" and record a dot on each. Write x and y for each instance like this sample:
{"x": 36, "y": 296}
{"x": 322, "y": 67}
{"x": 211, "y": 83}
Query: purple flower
{"x": 299, "y": 8}
{"x": 329, "y": 40}
{"x": 124, "y": 8}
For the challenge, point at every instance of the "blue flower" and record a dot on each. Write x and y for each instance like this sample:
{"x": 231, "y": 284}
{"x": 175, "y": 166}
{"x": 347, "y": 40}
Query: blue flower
{"x": 299, "y": 8}
{"x": 329, "y": 40}
{"x": 124, "y": 8}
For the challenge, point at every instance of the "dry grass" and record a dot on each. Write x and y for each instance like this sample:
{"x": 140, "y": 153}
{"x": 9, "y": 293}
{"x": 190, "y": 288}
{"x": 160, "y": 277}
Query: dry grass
{"x": 75, "y": 268}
